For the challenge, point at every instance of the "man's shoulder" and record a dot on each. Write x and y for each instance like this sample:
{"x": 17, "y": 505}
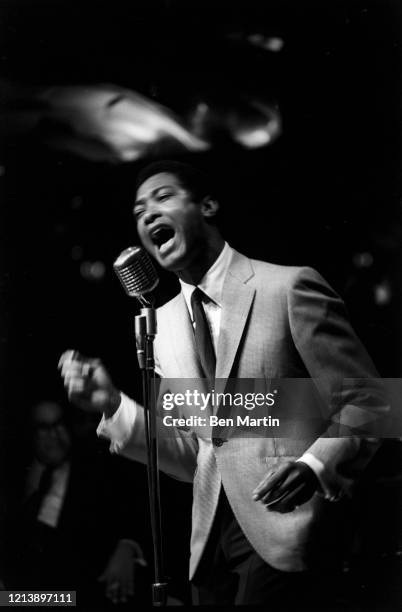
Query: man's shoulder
{"x": 272, "y": 279}
{"x": 276, "y": 270}
{"x": 279, "y": 273}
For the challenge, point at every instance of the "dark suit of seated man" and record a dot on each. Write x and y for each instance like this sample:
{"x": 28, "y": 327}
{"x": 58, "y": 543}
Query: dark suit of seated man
{"x": 74, "y": 529}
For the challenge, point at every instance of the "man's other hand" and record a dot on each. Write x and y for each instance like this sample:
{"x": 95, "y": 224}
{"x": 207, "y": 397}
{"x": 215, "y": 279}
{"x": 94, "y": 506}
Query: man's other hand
{"x": 290, "y": 486}
{"x": 88, "y": 384}
{"x": 119, "y": 573}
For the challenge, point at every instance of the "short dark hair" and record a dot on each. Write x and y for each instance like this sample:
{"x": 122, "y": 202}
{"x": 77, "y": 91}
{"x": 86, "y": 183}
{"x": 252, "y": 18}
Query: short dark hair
{"x": 191, "y": 178}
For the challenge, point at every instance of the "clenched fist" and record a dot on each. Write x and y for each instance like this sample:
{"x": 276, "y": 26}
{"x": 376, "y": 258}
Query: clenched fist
{"x": 88, "y": 384}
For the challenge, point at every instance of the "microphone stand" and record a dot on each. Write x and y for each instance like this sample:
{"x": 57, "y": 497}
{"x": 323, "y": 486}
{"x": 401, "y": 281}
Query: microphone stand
{"x": 145, "y": 331}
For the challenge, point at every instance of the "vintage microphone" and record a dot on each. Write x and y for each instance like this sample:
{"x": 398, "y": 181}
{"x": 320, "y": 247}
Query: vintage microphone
{"x": 138, "y": 277}
{"x": 136, "y": 273}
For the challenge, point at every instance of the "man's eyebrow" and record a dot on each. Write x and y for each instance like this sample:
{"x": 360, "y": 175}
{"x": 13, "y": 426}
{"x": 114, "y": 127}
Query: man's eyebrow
{"x": 139, "y": 202}
{"x": 154, "y": 192}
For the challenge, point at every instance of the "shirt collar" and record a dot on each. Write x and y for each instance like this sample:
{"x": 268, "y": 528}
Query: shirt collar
{"x": 212, "y": 282}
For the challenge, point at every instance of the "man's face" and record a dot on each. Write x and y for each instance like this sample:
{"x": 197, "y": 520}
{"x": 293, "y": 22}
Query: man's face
{"x": 171, "y": 226}
{"x": 52, "y": 441}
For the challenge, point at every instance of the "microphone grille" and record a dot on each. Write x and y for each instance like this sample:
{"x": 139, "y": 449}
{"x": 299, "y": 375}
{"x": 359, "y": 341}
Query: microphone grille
{"x": 135, "y": 271}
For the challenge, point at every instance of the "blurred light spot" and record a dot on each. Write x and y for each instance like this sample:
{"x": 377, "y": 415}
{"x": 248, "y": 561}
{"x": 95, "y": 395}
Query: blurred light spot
{"x": 77, "y": 252}
{"x": 253, "y": 139}
{"x": 76, "y": 202}
{"x": 268, "y": 43}
{"x": 259, "y": 128}
{"x": 200, "y": 115}
{"x": 275, "y": 44}
{"x": 249, "y": 121}
{"x": 93, "y": 271}
{"x": 2, "y": 170}
{"x": 363, "y": 260}
{"x": 382, "y": 293}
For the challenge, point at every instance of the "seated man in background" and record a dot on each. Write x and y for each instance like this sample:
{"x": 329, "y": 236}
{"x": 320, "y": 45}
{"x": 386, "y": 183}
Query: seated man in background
{"x": 77, "y": 527}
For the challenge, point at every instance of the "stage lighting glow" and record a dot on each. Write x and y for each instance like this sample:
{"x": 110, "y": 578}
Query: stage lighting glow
{"x": 268, "y": 43}
{"x": 382, "y": 293}
{"x": 363, "y": 260}
{"x": 93, "y": 271}
{"x": 253, "y": 139}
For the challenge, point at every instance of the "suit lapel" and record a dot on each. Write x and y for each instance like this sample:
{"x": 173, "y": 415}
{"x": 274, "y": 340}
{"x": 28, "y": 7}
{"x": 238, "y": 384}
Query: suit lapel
{"x": 237, "y": 299}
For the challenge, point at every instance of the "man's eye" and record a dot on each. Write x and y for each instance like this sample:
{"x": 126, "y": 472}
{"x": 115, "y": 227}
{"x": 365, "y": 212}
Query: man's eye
{"x": 138, "y": 212}
{"x": 164, "y": 196}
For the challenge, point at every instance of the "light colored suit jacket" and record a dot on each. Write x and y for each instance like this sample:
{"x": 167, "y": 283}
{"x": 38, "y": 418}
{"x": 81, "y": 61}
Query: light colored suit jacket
{"x": 277, "y": 322}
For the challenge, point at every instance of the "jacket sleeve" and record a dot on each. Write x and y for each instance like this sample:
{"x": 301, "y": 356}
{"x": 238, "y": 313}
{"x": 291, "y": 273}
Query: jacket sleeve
{"x": 345, "y": 377}
{"x": 177, "y": 448}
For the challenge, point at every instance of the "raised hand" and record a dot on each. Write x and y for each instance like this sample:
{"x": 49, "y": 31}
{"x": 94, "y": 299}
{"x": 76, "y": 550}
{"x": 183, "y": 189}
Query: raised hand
{"x": 88, "y": 384}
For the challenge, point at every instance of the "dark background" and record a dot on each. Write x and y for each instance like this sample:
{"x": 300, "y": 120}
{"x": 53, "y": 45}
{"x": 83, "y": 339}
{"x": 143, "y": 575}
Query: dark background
{"x": 326, "y": 193}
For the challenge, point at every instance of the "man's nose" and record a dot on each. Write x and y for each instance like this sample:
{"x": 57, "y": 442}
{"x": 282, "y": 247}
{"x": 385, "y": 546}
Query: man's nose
{"x": 151, "y": 215}
{"x": 56, "y": 431}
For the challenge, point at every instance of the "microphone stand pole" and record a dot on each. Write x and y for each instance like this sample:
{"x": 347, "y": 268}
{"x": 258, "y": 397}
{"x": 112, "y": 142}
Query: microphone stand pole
{"x": 145, "y": 331}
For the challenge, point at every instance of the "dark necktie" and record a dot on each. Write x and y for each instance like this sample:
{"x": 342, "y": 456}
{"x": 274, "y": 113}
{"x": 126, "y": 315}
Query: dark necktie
{"x": 45, "y": 481}
{"x": 37, "y": 536}
{"x": 202, "y": 334}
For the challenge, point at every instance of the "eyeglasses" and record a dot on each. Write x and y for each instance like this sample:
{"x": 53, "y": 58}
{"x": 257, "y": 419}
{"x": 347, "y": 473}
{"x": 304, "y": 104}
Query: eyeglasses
{"x": 43, "y": 428}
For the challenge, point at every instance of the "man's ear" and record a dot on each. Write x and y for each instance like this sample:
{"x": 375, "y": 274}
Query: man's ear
{"x": 209, "y": 207}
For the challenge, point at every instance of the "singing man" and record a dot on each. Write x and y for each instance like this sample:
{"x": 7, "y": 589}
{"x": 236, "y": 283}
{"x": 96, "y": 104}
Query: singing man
{"x": 268, "y": 513}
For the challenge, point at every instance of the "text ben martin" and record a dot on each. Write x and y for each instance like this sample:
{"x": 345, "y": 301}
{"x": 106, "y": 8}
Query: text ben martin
{"x": 214, "y": 421}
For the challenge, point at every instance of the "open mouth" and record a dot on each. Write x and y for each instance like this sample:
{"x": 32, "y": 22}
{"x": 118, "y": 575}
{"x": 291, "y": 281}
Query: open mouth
{"x": 162, "y": 237}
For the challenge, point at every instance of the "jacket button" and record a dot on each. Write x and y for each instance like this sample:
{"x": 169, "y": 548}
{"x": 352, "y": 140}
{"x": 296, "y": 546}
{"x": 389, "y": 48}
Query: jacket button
{"x": 217, "y": 441}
